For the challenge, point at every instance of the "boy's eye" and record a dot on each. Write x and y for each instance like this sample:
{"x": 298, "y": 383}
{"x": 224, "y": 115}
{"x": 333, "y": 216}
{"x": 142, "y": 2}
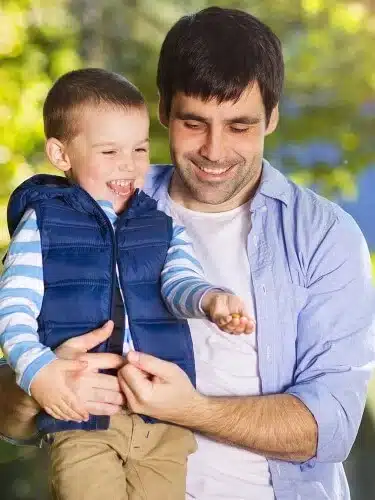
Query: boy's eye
{"x": 141, "y": 150}
{"x": 109, "y": 152}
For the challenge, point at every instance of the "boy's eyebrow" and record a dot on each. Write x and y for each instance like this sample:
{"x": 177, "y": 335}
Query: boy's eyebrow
{"x": 104, "y": 143}
{"x": 113, "y": 143}
{"x": 144, "y": 140}
{"x": 245, "y": 119}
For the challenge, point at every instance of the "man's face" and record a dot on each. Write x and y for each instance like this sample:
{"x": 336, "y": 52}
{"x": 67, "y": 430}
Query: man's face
{"x": 109, "y": 157}
{"x": 217, "y": 149}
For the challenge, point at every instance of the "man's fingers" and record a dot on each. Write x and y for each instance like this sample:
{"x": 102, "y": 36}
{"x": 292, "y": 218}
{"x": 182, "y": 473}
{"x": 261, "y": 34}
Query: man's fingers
{"x": 91, "y": 339}
{"x": 102, "y": 361}
{"x": 133, "y": 377}
{"x": 150, "y": 364}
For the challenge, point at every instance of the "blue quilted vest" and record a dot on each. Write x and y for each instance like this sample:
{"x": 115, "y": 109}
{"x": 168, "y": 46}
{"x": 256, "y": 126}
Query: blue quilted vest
{"x": 80, "y": 250}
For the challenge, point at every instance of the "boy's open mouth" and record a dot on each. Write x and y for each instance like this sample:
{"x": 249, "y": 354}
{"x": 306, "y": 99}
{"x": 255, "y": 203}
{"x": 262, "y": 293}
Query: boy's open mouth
{"x": 121, "y": 187}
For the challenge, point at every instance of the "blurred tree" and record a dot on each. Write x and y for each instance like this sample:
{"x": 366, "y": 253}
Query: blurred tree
{"x": 37, "y": 44}
{"x": 325, "y": 136}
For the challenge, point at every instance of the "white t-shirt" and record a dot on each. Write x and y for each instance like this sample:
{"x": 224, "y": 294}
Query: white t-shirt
{"x": 225, "y": 364}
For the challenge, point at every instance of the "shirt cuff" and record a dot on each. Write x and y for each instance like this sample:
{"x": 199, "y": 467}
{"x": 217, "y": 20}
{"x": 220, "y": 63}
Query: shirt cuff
{"x": 25, "y": 380}
{"x": 324, "y": 410}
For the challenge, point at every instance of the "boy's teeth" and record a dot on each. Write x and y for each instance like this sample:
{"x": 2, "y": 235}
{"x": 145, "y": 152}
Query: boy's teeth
{"x": 121, "y": 187}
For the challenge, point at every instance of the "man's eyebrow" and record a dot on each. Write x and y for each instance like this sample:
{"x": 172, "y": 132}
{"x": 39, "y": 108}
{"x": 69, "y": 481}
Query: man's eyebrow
{"x": 246, "y": 120}
{"x": 182, "y": 115}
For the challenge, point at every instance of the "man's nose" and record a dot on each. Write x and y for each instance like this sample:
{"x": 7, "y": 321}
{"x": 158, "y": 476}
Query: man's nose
{"x": 212, "y": 148}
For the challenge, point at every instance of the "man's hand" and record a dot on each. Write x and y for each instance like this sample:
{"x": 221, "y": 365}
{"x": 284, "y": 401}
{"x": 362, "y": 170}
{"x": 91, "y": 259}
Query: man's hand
{"x": 228, "y": 312}
{"x": 276, "y": 425}
{"x": 157, "y": 388}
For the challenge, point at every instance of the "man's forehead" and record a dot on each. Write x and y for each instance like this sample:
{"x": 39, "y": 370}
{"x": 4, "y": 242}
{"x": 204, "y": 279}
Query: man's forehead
{"x": 250, "y": 101}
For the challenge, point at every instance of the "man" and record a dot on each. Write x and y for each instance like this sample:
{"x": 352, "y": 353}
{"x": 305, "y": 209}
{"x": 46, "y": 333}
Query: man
{"x": 275, "y": 413}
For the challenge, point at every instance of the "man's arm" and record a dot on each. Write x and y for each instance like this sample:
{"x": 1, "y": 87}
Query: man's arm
{"x": 17, "y": 409}
{"x": 319, "y": 414}
{"x": 277, "y": 426}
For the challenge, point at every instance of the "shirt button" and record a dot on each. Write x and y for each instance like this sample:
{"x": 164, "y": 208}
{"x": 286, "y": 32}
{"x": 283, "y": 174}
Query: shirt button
{"x": 268, "y": 356}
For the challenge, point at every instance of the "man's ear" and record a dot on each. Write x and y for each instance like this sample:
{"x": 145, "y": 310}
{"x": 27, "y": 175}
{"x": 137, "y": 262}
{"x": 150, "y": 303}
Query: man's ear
{"x": 163, "y": 119}
{"x": 274, "y": 120}
{"x": 57, "y": 155}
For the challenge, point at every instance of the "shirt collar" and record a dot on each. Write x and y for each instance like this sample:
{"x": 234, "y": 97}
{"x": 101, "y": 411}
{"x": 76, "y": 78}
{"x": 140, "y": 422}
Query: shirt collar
{"x": 273, "y": 184}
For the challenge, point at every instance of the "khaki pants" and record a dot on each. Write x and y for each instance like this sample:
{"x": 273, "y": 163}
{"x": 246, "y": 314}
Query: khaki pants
{"x": 131, "y": 460}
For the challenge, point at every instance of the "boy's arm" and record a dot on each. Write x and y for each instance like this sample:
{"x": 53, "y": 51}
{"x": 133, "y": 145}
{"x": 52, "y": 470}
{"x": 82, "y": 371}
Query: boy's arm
{"x": 183, "y": 285}
{"x": 21, "y": 296}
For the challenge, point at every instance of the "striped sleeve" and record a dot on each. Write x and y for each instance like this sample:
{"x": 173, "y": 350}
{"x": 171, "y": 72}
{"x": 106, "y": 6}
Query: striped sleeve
{"x": 182, "y": 281}
{"x": 21, "y": 296}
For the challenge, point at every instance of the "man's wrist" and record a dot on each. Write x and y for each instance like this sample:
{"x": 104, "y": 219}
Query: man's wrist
{"x": 35, "y": 441}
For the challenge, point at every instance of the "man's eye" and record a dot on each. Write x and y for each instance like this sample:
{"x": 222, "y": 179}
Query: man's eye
{"x": 141, "y": 150}
{"x": 239, "y": 130}
{"x": 109, "y": 152}
{"x": 192, "y": 125}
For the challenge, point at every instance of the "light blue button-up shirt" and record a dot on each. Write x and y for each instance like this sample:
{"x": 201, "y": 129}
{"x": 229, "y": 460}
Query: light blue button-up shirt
{"x": 315, "y": 305}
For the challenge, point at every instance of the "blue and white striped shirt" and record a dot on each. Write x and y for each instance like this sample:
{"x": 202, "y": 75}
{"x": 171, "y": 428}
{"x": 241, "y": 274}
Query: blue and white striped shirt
{"x": 22, "y": 290}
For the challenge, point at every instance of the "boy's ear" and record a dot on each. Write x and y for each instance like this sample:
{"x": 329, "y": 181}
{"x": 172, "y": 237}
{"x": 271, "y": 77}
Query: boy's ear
{"x": 57, "y": 155}
{"x": 163, "y": 119}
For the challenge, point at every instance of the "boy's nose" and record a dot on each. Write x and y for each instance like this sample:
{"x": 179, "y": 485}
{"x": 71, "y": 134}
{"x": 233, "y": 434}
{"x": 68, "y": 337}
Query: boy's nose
{"x": 126, "y": 166}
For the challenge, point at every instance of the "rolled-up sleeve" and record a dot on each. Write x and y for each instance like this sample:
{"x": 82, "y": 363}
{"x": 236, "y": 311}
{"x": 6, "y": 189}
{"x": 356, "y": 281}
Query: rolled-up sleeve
{"x": 335, "y": 347}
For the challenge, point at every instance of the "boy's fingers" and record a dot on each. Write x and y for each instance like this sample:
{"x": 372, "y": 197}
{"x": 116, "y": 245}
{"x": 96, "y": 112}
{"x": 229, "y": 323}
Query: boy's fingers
{"x": 89, "y": 340}
{"x": 73, "y": 365}
{"x": 69, "y": 412}
{"x": 52, "y": 413}
{"x": 58, "y": 413}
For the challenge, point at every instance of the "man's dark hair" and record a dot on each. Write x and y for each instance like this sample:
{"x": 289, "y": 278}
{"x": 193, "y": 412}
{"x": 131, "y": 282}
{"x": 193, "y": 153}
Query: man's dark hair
{"x": 89, "y": 86}
{"x": 217, "y": 53}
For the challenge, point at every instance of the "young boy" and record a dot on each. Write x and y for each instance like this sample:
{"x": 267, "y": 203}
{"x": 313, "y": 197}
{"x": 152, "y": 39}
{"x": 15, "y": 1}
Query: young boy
{"x": 92, "y": 247}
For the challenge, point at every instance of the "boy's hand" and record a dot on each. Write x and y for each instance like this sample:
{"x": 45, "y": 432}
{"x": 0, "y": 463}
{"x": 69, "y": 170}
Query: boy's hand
{"x": 228, "y": 312}
{"x": 51, "y": 389}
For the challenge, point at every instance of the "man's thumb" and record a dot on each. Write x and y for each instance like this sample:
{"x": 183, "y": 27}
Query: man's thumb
{"x": 149, "y": 364}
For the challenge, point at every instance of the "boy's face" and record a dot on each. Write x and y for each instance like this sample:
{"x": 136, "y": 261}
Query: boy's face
{"x": 109, "y": 157}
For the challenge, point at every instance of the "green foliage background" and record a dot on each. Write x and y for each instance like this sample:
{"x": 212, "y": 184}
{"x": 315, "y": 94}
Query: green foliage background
{"x": 329, "y": 98}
